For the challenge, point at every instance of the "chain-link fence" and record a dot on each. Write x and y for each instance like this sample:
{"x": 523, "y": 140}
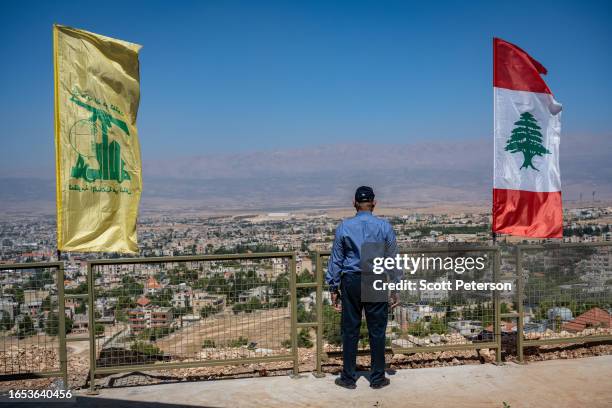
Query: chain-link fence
{"x": 191, "y": 311}
{"x": 33, "y": 322}
{"x": 565, "y": 293}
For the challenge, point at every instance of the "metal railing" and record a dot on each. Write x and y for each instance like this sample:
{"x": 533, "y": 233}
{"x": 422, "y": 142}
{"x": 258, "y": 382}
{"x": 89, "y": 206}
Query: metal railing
{"x": 428, "y": 320}
{"x": 33, "y": 321}
{"x": 564, "y": 295}
{"x": 212, "y": 310}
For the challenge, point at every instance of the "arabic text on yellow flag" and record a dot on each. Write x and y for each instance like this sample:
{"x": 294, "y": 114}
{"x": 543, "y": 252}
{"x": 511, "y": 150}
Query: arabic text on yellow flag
{"x": 97, "y": 92}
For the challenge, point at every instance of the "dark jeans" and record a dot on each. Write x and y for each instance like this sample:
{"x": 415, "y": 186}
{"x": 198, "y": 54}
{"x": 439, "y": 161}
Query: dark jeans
{"x": 376, "y": 318}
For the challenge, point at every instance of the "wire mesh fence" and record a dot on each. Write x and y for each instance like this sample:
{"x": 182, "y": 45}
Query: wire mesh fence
{"x": 33, "y": 322}
{"x": 438, "y": 309}
{"x": 196, "y": 311}
{"x": 306, "y": 307}
{"x": 191, "y": 311}
{"x": 566, "y": 293}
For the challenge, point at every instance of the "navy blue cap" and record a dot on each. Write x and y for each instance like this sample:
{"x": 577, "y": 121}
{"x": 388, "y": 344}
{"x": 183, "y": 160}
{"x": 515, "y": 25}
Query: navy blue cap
{"x": 364, "y": 194}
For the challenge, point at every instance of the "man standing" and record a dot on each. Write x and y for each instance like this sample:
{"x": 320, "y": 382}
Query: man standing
{"x": 344, "y": 279}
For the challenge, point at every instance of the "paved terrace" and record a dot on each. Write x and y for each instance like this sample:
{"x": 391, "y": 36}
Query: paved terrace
{"x": 582, "y": 382}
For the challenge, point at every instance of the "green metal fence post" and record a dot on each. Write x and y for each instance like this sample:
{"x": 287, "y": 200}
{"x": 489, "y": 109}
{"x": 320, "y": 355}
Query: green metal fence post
{"x": 519, "y": 304}
{"x": 92, "y": 330}
{"x": 319, "y": 312}
{"x": 61, "y": 313}
{"x": 294, "y": 322}
{"x": 497, "y": 308}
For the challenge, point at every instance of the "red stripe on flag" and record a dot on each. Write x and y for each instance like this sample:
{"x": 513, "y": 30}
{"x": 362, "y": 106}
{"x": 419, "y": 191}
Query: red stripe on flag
{"x": 514, "y": 69}
{"x": 528, "y": 213}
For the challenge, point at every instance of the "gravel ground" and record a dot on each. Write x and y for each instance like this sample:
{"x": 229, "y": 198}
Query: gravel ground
{"x": 78, "y": 365}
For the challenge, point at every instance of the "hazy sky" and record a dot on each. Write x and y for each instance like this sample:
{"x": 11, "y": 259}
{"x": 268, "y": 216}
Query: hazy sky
{"x": 221, "y": 76}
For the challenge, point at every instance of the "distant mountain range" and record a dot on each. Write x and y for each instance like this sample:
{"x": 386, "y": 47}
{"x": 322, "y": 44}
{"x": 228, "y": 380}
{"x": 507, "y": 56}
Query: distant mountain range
{"x": 326, "y": 176}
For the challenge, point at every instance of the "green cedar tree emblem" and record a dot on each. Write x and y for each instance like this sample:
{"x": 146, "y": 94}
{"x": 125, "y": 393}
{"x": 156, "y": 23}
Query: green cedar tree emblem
{"x": 527, "y": 139}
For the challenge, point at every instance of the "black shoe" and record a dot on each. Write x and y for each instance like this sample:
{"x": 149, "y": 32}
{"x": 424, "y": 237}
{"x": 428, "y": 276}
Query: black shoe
{"x": 381, "y": 384}
{"x": 345, "y": 384}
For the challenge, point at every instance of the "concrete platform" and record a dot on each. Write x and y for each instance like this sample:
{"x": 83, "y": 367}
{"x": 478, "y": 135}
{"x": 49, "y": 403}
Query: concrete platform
{"x": 559, "y": 383}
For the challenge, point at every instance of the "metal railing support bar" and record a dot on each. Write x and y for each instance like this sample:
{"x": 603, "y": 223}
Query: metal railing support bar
{"x": 61, "y": 313}
{"x": 497, "y": 308}
{"x": 519, "y": 305}
{"x": 294, "y": 328}
{"x": 92, "y": 329}
{"x": 319, "y": 316}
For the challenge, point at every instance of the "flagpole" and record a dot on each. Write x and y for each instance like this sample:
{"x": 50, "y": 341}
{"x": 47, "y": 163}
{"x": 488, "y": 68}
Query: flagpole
{"x": 58, "y": 155}
{"x": 56, "y": 124}
{"x": 493, "y": 235}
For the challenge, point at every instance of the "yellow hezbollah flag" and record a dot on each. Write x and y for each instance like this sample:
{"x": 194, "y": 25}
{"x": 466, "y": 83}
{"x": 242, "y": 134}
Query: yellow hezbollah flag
{"x": 99, "y": 181}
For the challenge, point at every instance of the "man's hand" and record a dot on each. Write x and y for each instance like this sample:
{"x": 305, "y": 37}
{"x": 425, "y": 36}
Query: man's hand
{"x": 395, "y": 301}
{"x": 335, "y": 298}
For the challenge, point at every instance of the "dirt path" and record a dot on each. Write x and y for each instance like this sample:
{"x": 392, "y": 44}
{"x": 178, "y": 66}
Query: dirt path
{"x": 268, "y": 328}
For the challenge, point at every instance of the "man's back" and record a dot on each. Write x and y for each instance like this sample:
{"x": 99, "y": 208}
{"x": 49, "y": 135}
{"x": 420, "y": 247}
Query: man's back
{"x": 351, "y": 235}
{"x": 358, "y": 240}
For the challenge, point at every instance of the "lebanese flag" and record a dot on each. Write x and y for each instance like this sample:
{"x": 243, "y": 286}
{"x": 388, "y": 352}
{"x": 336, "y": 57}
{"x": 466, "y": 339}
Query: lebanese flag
{"x": 527, "y": 182}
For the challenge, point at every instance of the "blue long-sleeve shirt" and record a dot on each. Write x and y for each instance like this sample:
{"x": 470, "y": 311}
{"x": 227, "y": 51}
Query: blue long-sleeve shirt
{"x": 351, "y": 234}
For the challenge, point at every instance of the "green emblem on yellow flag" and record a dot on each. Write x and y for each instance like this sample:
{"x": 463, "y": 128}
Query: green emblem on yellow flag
{"x": 108, "y": 155}
{"x": 97, "y": 92}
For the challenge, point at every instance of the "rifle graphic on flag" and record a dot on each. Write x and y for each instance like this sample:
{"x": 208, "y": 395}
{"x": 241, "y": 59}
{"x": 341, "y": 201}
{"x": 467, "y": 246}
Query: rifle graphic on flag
{"x": 527, "y": 128}
{"x": 111, "y": 166}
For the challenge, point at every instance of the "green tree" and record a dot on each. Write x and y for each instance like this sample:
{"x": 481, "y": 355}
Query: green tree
{"x": 6, "y": 323}
{"x": 207, "y": 311}
{"x": 438, "y": 326}
{"x": 304, "y": 340}
{"x": 99, "y": 329}
{"x": 253, "y": 304}
{"x": 121, "y": 315}
{"x": 305, "y": 316}
{"x": 331, "y": 331}
{"x": 80, "y": 308}
{"x": 25, "y": 327}
{"x": 52, "y": 324}
{"x": 418, "y": 329}
{"x": 527, "y": 139}
{"x": 240, "y": 341}
{"x": 79, "y": 290}
{"x": 130, "y": 286}
{"x": 504, "y": 308}
{"x": 364, "y": 338}
{"x": 146, "y": 348}
{"x": 46, "y": 303}
{"x": 17, "y": 293}
{"x": 304, "y": 277}
{"x": 208, "y": 343}
{"x": 154, "y": 334}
